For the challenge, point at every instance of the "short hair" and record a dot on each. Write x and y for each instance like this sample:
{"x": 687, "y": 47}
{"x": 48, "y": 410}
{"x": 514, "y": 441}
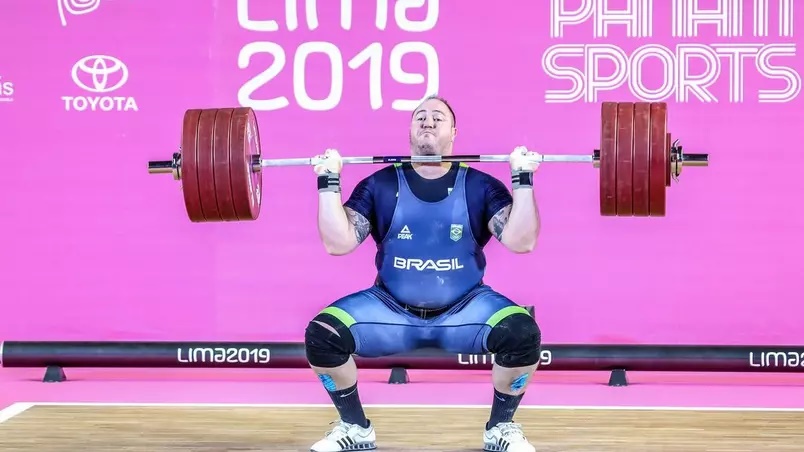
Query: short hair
{"x": 444, "y": 101}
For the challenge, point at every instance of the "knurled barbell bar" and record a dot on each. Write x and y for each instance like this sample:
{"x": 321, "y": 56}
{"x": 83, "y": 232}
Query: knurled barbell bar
{"x": 220, "y": 162}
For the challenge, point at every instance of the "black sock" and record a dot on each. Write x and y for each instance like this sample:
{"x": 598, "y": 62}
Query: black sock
{"x": 347, "y": 402}
{"x": 503, "y": 408}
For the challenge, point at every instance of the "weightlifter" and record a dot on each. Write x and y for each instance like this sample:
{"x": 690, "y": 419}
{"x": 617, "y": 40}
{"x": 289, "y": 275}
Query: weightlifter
{"x": 430, "y": 223}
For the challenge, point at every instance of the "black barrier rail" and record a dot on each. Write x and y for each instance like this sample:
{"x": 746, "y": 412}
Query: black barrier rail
{"x": 288, "y": 355}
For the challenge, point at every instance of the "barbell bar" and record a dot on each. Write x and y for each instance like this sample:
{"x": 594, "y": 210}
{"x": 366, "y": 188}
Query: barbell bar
{"x": 220, "y": 161}
{"x": 166, "y": 166}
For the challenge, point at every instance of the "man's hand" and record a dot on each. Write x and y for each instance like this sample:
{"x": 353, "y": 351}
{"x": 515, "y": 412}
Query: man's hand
{"x": 516, "y": 226}
{"x": 523, "y": 160}
{"x": 328, "y": 163}
{"x": 341, "y": 229}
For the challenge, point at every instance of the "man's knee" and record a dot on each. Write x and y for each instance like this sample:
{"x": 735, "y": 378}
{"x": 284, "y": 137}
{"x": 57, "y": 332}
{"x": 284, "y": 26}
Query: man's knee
{"x": 328, "y": 346}
{"x": 515, "y": 341}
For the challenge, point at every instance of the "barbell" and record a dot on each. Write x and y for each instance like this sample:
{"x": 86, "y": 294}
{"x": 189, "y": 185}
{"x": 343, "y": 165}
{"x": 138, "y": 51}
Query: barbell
{"x": 220, "y": 161}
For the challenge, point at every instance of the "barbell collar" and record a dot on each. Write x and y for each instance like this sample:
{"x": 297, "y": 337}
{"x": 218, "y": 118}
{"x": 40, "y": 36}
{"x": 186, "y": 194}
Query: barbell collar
{"x": 167, "y": 166}
{"x": 160, "y": 167}
{"x": 695, "y": 159}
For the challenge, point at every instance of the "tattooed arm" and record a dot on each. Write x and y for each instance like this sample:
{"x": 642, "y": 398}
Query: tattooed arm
{"x": 499, "y": 220}
{"x": 517, "y": 224}
{"x": 359, "y": 226}
{"x": 342, "y": 229}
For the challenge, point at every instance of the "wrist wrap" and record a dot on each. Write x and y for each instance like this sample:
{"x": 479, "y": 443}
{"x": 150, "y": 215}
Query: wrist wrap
{"x": 521, "y": 179}
{"x": 329, "y": 182}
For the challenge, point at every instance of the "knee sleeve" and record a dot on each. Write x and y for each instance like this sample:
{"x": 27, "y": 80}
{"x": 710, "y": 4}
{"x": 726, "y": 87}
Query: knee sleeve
{"x": 515, "y": 341}
{"x": 325, "y": 348}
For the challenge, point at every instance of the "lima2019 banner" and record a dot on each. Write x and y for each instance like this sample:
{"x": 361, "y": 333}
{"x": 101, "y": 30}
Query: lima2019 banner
{"x": 679, "y": 50}
{"x": 96, "y": 248}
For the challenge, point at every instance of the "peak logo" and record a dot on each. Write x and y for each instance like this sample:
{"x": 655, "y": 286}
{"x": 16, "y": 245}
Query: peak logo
{"x": 100, "y": 75}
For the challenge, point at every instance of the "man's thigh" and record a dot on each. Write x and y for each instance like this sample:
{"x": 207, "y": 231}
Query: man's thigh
{"x": 465, "y": 328}
{"x": 380, "y": 327}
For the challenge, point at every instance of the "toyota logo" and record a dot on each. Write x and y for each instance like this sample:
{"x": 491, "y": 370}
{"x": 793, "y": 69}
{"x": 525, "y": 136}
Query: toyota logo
{"x": 100, "y": 73}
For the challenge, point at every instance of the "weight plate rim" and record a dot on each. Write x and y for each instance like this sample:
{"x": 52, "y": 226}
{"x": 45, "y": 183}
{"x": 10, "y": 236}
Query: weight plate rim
{"x": 608, "y": 159}
{"x": 206, "y": 164}
{"x": 658, "y": 169}
{"x": 222, "y": 155}
{"x": 253, "y": 135}
{"x": 245, "y": 192}
{"x": 189, "y": 166}
{"x": 641, "y": 164}
{"x": 625, "y": 159}
{"x": 667, "y": 180}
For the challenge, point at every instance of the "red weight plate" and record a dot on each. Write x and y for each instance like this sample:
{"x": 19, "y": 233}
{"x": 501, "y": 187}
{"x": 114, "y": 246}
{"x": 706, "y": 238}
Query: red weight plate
{"x": 608, "y": 159}
{"x": 641, "y": 166}
{"x": 244, "y": 147}
{"x": 189, "y": 166}
{"x": 221, "y": 145}
{"x": 658, "y": 158}
{"x": 625, "y": 159}
{"x": 206, "y": 164}
{"x": 669, "y": 162}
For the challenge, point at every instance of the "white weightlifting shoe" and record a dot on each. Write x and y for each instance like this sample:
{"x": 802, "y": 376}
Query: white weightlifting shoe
{"x": 347, "y": 437}
{"x": 506, "y": 437}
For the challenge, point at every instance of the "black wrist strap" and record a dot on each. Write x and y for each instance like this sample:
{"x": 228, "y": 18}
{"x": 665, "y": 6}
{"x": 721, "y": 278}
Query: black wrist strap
{"x": 329, "y": 182}
{"x": 521, "y": 179}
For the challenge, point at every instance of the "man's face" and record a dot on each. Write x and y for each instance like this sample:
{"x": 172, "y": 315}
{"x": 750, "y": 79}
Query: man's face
{"x": 431, "y": 129}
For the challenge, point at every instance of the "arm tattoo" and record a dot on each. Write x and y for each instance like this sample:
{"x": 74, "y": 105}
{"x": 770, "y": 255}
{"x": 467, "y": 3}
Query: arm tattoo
{"x": 499, "y": 221}
{"x": 361, "y": 224}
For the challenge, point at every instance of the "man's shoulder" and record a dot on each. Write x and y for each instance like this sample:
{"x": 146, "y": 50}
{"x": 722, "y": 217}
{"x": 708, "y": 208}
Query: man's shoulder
{"x": 385, "y": 173}
{"x": 482, "y": 177}
{"x": 380, "y": 178}
{"x": 495, "y": 194}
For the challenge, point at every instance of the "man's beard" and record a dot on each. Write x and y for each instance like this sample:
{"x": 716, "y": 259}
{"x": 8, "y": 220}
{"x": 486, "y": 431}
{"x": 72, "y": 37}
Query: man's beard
{"x": 426, "y": 149}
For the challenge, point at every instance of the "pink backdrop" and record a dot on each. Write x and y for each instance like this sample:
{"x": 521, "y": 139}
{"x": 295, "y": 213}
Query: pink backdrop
{"x": 95, "y": 248}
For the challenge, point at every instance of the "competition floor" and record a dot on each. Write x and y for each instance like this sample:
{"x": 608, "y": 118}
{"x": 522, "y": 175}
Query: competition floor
{"x": 206, "y": 411}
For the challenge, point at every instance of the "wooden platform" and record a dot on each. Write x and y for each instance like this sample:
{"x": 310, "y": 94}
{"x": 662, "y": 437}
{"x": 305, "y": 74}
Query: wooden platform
{"x": 246, "y": 429}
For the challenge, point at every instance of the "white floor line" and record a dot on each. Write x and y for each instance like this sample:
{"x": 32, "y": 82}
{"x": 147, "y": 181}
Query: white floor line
{"x": 13, "y": 410}
{"x": 431, "y": 406}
